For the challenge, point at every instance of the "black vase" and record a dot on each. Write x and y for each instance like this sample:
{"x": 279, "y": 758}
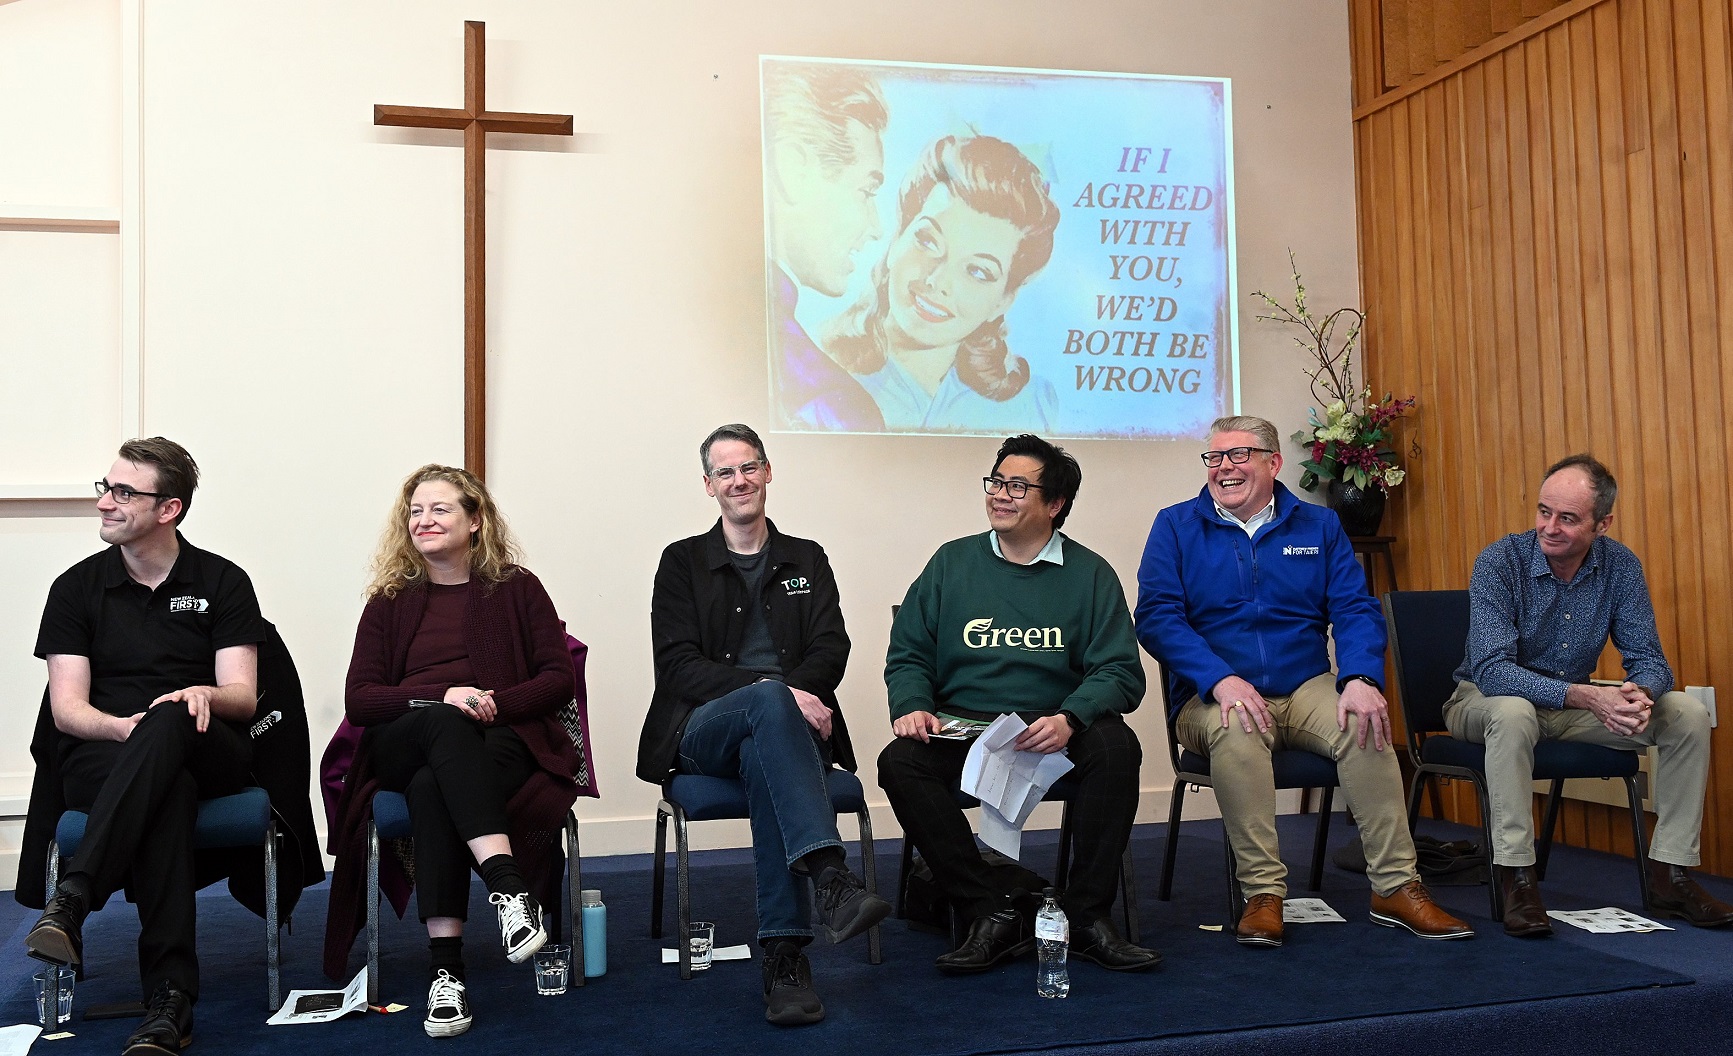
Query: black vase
{"x": 1360, "y": 509}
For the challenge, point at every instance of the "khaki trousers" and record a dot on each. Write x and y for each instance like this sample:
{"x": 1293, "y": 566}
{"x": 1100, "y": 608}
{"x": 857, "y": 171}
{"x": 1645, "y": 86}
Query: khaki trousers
{"x": 1245, "y": 784}
{"x": 1510, "y": 727}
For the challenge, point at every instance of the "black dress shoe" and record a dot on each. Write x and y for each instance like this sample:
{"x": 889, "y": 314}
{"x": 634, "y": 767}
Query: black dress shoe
{"x": 1672, "y": 893}
{"x": 1100, "y": 943}
{"x": 58, "y": 936}
{"x": 993, "y": 939}
{"x": 1524, "y": 915}
{"x": 167, "y": 1026}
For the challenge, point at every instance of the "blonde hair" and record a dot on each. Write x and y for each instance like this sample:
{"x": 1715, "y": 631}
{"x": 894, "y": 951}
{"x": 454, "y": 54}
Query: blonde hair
{"x": 493, "y": 550}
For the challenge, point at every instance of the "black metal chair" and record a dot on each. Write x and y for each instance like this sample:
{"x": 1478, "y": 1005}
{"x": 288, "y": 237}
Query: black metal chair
{"x": 694, "y": 797}
{"x": 1428, "y": 638}
{"x": 1063, "y": 791}
{"x": 391, "y": 822}
{"x": 1294, "y": 768}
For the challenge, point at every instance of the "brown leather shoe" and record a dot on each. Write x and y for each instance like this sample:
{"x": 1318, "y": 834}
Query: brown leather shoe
{"x": 1261, "y": 923}
{"x": 1524, "y": 916}
{"x": 1410, "y": 906}
{"x": 1672, "y": 893}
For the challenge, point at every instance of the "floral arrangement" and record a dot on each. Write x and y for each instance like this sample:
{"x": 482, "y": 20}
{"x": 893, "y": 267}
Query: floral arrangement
{"x": 1352, "y": 441}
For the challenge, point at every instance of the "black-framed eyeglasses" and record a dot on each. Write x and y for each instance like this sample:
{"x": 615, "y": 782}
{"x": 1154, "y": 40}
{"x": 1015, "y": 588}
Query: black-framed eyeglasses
{"x": 1239, "y": 456}
{"x": 747, "y": 471}
{"x": 1014, "y": 488}
{"x": 124, "y": 494}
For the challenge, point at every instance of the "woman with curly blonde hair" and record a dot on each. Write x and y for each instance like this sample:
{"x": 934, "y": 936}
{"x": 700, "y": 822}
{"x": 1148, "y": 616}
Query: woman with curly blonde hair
{"x": 460, "y": 666}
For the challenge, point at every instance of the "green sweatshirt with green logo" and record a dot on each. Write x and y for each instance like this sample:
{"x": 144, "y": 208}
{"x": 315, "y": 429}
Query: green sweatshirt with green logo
{"x": 978, "y": 632}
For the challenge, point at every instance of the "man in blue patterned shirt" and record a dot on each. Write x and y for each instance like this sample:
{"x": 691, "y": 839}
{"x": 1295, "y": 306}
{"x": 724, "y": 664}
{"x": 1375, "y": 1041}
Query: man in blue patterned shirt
{"x": 1541, "y": 608}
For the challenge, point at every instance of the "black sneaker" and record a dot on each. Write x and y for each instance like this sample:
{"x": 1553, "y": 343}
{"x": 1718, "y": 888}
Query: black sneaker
{"x": 789, "y": 1000}
{"x": 520, "y": 926}
{"x": 843, "y": 905}
{"x": 58, "y": 936}
{"x": 447, "y": 1007}
{"x": 167, "y": 1026}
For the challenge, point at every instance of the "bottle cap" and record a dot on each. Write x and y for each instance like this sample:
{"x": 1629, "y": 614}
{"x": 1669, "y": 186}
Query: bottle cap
{"x": 1048, "y": 892}
{"x": 590, "y": 896}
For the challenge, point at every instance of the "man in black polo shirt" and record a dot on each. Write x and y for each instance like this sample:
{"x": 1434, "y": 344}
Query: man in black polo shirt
{"x": 152, "y": 651}
{"x": 749, "y": 645}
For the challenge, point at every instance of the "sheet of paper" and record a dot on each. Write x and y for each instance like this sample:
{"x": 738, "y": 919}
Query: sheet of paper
{"x": 1309, "y": 911}
{"x": 352, "y": 998}
{"x": 670, "y": 955}
{"x": 16, "y": 1041}
{"x": 1608, "y": 921}
{"x": 1008, "y": 783}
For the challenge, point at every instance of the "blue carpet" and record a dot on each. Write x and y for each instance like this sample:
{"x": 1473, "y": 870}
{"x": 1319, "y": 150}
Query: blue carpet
{"x": 1332, "y": 987}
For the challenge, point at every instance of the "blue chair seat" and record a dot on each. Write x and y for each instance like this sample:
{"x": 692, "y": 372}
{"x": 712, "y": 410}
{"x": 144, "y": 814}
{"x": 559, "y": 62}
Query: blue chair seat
{"x": 1294, "y": 768}
{"x": 719, "y": 798}
{"x": 695, "y": 797}
{"x": 1552, "y": 759}
{"x": 242, "y": 820}
{"x": 391, "y": 816}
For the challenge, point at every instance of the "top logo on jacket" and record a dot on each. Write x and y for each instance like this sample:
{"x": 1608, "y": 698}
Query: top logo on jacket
{"x": 981, "y": 634}
{"x": 1301, "y": 551}
{"x": 796, "y": 585}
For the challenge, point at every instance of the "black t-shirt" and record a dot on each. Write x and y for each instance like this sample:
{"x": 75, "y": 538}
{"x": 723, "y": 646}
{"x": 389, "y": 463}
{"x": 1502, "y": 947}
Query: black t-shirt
{"x": 143, "y": 643}
{"x": 757, "y": 649}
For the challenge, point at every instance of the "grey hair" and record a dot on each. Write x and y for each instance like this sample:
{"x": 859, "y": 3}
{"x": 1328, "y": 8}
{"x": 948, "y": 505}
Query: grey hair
{"x": 734, "y": 431}
{"x": 1245, "y": 423}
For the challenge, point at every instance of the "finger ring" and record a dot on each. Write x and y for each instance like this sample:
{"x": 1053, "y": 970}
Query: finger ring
{"x": 472, "y": 700}
{"x": 1239, "y": 703}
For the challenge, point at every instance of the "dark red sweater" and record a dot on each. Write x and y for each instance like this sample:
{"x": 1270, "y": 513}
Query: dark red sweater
{"x": 518, "y": 649}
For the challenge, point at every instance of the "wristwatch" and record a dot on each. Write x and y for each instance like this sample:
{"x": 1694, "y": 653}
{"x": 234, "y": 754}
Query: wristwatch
{"x": 1342, "y": 682}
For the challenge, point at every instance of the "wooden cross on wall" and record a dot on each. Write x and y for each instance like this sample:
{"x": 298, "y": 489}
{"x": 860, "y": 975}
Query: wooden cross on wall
{"x": 475, "y": 120}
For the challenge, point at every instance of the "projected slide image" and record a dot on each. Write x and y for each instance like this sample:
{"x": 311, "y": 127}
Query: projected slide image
{"x": 959, "y": 250}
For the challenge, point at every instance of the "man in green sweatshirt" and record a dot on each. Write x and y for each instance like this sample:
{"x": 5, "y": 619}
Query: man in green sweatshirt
{"x": 1019, "y": 619}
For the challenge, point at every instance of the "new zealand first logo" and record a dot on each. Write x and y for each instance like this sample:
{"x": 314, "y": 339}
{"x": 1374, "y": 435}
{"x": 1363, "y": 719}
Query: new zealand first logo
{"x": 188, "y": 603}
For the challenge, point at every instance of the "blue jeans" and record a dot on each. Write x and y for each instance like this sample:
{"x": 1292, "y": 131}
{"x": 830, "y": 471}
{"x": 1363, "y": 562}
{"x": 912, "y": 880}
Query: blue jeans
{"x": 758, "y": 736}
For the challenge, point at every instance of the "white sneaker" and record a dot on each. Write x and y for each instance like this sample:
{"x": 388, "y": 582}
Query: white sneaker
{"x": 520, "y": 926}
{"x": 447, "y": 1007}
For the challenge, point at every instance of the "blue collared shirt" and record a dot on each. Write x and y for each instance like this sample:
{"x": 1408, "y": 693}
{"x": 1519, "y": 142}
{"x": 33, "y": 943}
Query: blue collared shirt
{"x": 1053, "y": 552}
{"x": 1532, "y": 635}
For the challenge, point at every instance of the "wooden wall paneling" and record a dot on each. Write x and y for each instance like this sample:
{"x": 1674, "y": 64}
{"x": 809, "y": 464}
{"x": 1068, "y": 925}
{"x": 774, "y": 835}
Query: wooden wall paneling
{"x": 1717, "y": 39}
{"x": 1570, "y": 290}
{"x": 1476, "y": 21}
{"x": 1393, "y": 30}
{"x": 1366, "y": 49}
{"x": 1548, "y": 351}
{"x": 1449, "y": 36}
{"x": 1547, "y": 261}
{"x": 1420, "y": 48}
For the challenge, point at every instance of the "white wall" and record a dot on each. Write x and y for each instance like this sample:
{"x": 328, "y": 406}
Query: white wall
{"x": 302, "y": 307}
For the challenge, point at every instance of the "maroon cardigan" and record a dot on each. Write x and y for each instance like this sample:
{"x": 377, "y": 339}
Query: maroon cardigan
{"x": 517, "y": 648}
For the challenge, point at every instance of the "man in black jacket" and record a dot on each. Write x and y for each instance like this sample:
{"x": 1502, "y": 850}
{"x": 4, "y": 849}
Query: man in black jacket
{"x": 750, "y": 647}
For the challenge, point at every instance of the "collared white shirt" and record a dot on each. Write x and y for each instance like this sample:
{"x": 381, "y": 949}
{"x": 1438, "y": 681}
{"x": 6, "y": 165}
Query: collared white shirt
{"x": 1053, "y": 552}
{"x": 1259, "y": 519}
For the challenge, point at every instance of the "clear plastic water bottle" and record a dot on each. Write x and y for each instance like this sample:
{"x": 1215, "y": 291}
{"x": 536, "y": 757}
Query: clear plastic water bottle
{"x": 595, "y": 933}
{"x": 1052, "y": 943}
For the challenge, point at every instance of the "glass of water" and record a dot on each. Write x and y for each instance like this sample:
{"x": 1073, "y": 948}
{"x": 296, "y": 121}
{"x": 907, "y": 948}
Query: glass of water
{"x": 553, "y": 968}
{"x": 700, "y": 938}
{"x": 54, "y": 996}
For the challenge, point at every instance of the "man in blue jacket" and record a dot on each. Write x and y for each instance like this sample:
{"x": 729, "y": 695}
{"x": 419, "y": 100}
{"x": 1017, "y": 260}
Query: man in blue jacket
{"x": 1237, "y": 593}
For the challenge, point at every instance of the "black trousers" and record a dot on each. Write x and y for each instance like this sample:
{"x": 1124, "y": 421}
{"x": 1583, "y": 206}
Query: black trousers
{"x": 142, "y": 795}
{"x": 458, "y": 775}
{"x": 921, "y": 782}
